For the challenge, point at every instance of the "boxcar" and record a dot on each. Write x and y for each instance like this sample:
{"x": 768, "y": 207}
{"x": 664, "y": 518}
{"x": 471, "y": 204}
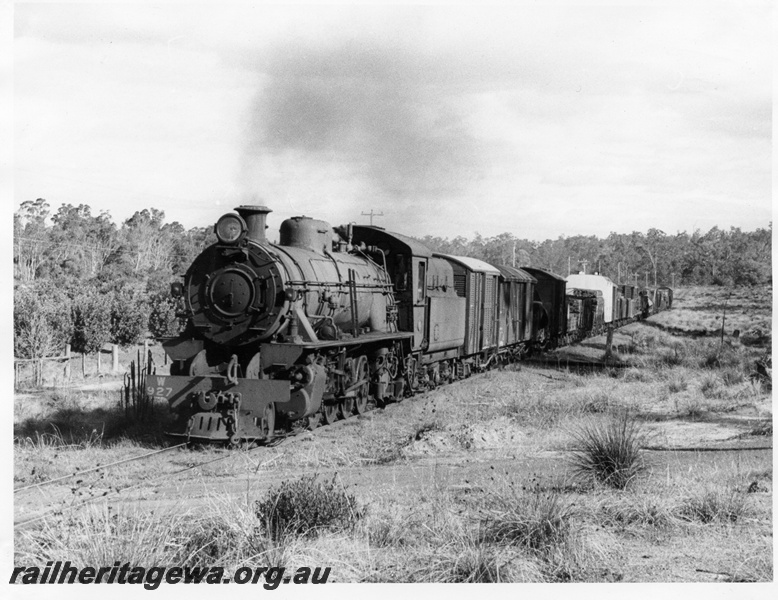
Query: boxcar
{"x": 549, "y": 310}
{"x": 478, "y": 282}
{"x": 515, "y": 306}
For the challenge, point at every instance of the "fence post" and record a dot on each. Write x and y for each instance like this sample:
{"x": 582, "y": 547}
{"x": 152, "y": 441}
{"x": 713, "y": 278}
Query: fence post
{"x": 609, "y": 344}
{"x": 145, "y": 353}
{"x": 67, "y": 362}
{"x": 115, "y": 357}
{"x": 99, "y": 360}
{"x": 83, "y": 364}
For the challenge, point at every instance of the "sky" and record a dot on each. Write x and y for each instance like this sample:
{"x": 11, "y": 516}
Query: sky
{"x": 538, "y": 119}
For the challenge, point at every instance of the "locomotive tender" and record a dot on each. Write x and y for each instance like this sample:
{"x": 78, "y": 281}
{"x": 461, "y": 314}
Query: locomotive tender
{"x": 328, "y": 320}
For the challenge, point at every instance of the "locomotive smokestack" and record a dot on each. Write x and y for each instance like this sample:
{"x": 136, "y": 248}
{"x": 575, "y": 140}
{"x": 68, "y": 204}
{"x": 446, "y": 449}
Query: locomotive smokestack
{"x": 256, "y": 221}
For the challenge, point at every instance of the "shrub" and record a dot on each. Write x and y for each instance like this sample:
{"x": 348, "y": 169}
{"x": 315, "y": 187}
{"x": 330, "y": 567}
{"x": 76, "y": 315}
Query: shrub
{"x": 129, "y": 318}
{"x": 42, "y": 321}
{"x": 307, "y": 506}
{"x": 610, "y": 451}
{"x": 162, "y": 316}
{"x": 91, "y": 321}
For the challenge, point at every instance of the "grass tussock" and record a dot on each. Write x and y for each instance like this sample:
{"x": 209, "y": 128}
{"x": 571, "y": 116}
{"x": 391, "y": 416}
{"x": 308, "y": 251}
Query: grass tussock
{"x": 635, "y": 374}
{"x": 463, "y": 558}
{"x": 691, "y": 408}
{"x": 226, "y": 535}
{"x": 677, "y": 383}
{"x": 536, "y": 521}
{"x": 306, "y": 507}
{"x": 731, "y": 376}
{"x": 596, "y": 402}
{"x": 762, "y": 428}
{"x": 41, "y": 440}
{"x": 714, "y": 504}
{"x": 544, "y": 525}
{"x": 709, "y": 386}
{"x": 100, "y": 534}
{"x": 640, "y": 510}
{"x": 609, "y": 451}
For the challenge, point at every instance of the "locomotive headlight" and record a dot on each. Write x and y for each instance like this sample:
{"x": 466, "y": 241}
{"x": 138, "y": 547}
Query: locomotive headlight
{"x": 230, "y": 228}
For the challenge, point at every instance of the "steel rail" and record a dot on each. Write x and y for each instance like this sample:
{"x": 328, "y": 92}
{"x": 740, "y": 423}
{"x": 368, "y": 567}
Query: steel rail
{"x": 97, "y": 468}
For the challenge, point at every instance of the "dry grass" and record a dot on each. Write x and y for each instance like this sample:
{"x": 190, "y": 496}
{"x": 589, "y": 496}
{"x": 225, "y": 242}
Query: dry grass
{"x": 225, "y": 534}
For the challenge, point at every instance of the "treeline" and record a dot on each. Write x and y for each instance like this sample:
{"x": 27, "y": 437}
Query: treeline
{"x": 81, "y": 279}
{"x": 717, "y": 257}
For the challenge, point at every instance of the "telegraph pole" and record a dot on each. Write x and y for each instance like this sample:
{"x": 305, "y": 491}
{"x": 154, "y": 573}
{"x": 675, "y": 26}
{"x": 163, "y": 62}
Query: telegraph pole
{"x": 372, "y": 214}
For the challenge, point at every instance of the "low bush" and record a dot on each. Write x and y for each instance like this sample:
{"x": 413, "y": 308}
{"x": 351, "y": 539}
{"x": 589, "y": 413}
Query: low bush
{"x": 307, "y": 506}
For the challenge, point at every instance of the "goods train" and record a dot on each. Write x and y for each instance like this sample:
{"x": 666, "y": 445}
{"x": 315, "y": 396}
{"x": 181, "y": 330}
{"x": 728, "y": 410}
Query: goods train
{"x": 327, "y": 321}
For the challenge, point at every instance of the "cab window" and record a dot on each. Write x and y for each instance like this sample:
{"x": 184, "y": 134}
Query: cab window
{"x": 421, "y": 285}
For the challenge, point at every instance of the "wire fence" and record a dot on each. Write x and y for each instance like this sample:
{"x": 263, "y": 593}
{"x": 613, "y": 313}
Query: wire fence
{"x": 69, "y": 367}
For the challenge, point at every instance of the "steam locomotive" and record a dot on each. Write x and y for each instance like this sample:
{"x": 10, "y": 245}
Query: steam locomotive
{"x": 329, "y": 320}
